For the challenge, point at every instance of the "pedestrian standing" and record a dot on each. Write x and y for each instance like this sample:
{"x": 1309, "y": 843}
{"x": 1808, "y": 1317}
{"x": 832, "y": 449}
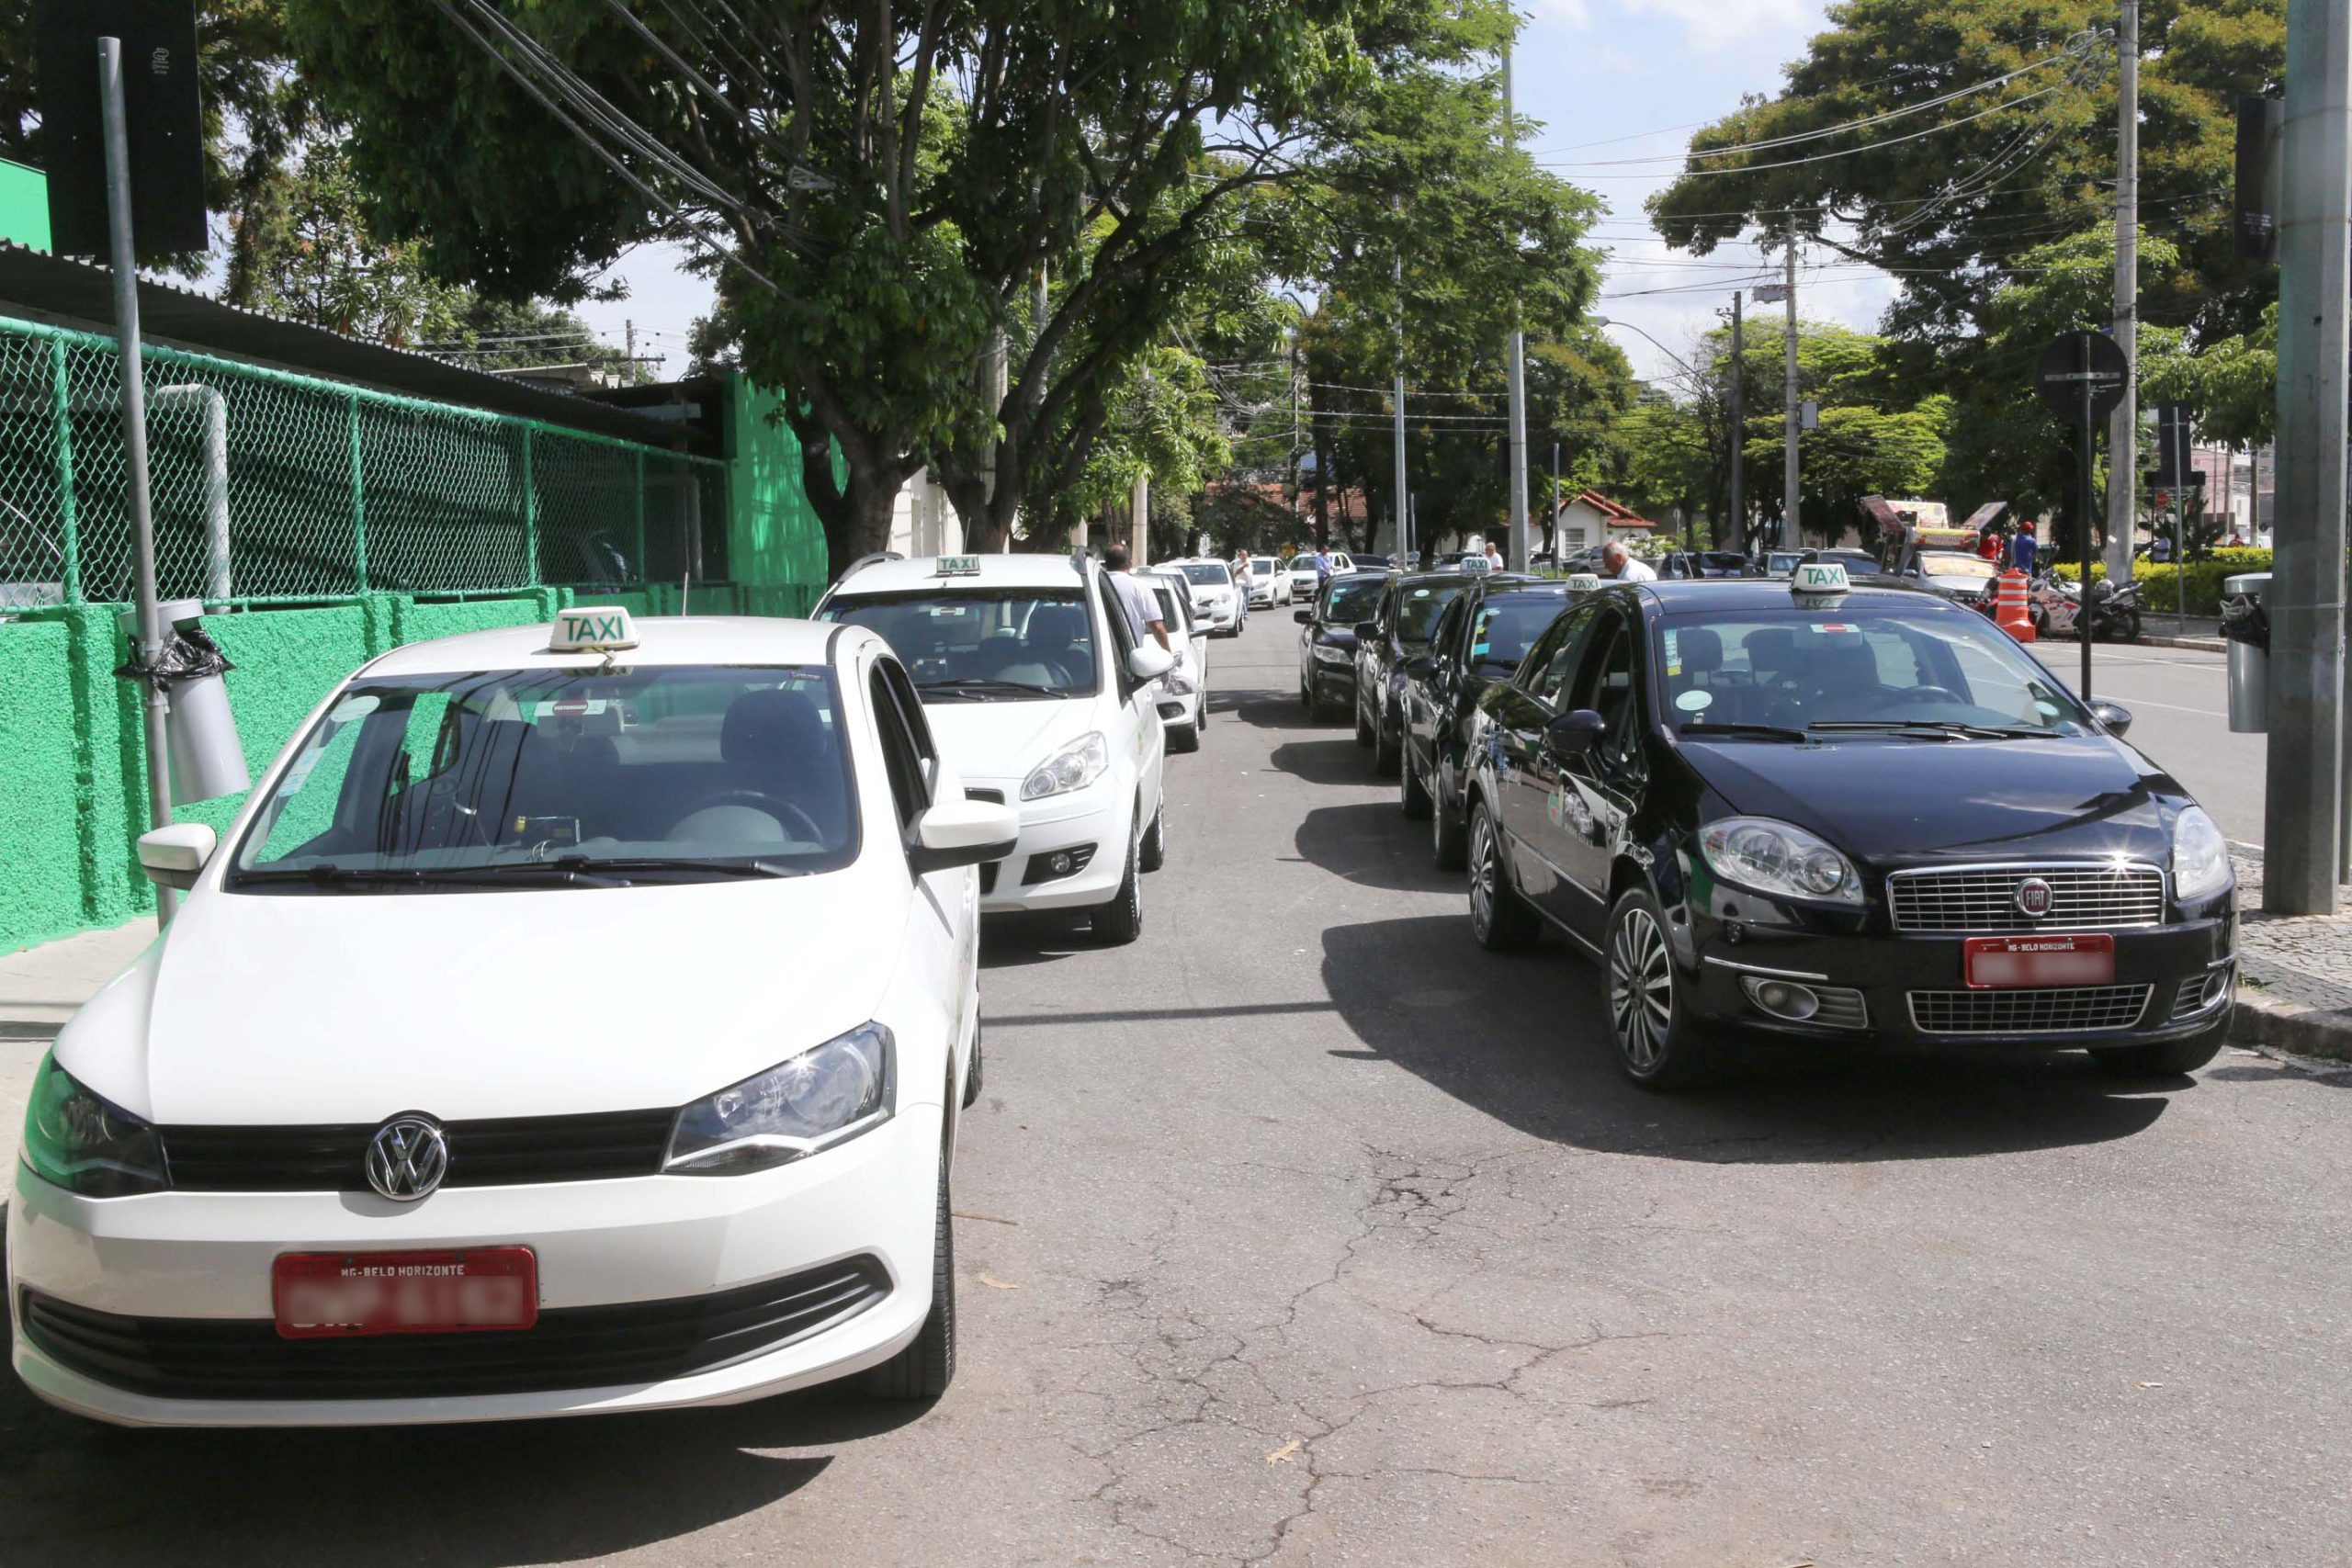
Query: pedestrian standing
{"x": 1322, "y": 570}
{"x": 1494, "y": 557}
{"x": 2021, "y": 552}
{"x": 1144, "y": 617}
{"x": 1619, "y": 565}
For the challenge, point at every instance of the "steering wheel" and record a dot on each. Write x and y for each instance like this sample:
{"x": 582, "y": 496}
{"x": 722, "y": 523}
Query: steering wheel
{"x": 759, "y": 800}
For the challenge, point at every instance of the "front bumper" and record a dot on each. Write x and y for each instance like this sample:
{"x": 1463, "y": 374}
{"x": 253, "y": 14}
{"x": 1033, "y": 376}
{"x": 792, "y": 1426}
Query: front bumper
{"x": 1334, "y": 683}
{"x": 1099, "y": 816}
{"x": 1218, "y": 618}
{"x": 1913, "y": 989}
{"x": 200, "y": 1262}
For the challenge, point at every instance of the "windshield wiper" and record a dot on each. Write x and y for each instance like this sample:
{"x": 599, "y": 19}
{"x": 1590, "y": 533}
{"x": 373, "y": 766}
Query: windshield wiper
{"x": 973, "y": 685}
{"x": 579, "y": 871}
{"x": 1696, "y": 731}
{"x": 351, "y": 876}
{"x": 1932, "y": 728}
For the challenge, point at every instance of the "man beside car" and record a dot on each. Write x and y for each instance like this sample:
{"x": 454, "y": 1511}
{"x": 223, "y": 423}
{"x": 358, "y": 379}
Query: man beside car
{"x": 1141, "y": 603}
{"x": 1618, "y": 565}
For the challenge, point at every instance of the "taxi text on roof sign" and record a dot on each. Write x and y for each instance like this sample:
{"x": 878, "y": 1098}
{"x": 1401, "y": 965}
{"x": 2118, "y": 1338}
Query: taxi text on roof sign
{"x": 1818, "y": 576}
{"x": 1584, "y": 582}
{"x": 959, "y": 565}
{"x": 593, "y": 629}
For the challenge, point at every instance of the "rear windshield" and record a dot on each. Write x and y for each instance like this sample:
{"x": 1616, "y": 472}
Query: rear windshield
{"x": 1416, "y": 612}
{"x": 1855, "y": 666}
{"x": 553, "y": 778}
{"x": 1207, "y": 574}
{"x": 983, "y": 645}
{"x": 1505, "y": 631}
{"x": 1353, "y": 602}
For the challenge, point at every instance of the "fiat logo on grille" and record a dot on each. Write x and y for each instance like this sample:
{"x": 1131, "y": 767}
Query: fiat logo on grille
{"x": 2033, "y": 897}
{"x": 407, "y": 1158}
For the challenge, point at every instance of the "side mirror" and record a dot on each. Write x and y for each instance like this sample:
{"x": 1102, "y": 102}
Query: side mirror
{"x": 1150, "y": 661}
{"x": 1367, "y": 631}
{"x": 1422, "y": 666}
{"x": 1304, "y": 617}
{"x": 173, "y": 856}
{"x": 1574, "y": 734}
{"x": 2115, "y": 716}
{"x": 963, "y": 832}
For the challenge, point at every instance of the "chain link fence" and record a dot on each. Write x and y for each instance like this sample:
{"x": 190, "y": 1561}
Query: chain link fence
{"x": 269, "y": 485}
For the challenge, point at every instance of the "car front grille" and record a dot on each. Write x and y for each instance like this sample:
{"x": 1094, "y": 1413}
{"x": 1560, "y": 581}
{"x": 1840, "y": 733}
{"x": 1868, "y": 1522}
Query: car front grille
{"x": 1842, "y": 1007}
{"x": 1984, "y": 899}
{"x": 2199, "y": 992}
{"x": 512, "y": 1152}
{"x": 568, "y": 1347}
{"x": 2075, "y": 1009}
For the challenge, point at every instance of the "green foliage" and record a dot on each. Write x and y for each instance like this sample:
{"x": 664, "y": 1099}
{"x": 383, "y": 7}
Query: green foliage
{"x": 2161, "y": 583}
{"x": 312, "y": 258}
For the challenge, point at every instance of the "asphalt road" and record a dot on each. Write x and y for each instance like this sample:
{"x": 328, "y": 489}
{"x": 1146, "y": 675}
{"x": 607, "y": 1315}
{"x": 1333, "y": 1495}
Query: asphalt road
{"x": 1303, "y": 1231}
{"x": 2180, "y": 718}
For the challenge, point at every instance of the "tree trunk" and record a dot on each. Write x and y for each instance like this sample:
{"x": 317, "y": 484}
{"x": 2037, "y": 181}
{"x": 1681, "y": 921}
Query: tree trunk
{"x": 856, "y": 512}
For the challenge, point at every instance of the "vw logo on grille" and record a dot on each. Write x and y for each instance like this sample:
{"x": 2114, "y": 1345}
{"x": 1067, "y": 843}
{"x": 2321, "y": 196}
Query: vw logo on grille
{"x": 407, "y": 1158}
{"x": 2033, "y": 897}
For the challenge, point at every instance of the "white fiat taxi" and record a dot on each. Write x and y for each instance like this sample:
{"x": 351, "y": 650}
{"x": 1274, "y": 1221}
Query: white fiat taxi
{"x": 1045, "y": 697}
{"x": 575, "y": 1020}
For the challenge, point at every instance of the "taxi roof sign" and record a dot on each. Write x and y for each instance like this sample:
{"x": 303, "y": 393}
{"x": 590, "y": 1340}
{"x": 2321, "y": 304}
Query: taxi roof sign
{"x": 959, "y": 566}
{"x": 1584, "y": 582}
{"x": 593, "y": 628}
{"x": 1818, "y": 576}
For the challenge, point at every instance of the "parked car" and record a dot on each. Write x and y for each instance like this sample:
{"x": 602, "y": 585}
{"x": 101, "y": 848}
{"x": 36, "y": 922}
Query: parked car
{"x": 1479, "y": 639}
{"x": 1219, "y": 604}
{"x": 1044, "y": 699}
{"x": 1841, "y": 819}
{"x": 1692, "y": 564}
{"x": 1372, "y": 563}
{"x": 1327, "y": 640}
{"x": 1269, "y": 584}
{"x": 1395, "y": 632}
{"x": 1303, "y": 579}
{"x": 1184, "y": 698}
{"x": 1954, "y": 574}
{"x": 667, "y": 931}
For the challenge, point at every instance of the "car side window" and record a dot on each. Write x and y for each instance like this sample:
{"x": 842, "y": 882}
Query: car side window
{"x": 1123, "y": 634}
{"x": 1604, "y": 683}
{"x": 901, "y": 759}
{"x": 1553, "y": 661}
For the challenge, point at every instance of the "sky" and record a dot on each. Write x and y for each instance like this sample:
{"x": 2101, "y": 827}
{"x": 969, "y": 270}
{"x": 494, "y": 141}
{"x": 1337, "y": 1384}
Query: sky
{"x": 1614, "y": 80}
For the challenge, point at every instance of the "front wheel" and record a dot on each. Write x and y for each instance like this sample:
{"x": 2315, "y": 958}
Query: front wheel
{"x": 1365, "y": 737}
{"x": 1449, "y": 835}
{"x": 1155, "y": 837}
{"x": 1414, "y": 797}
{"x": 1119, "y": 921}
{"x": 1500, "y": 919}
{"x": 1657, "y": 1046}
{"x": 927, "y": 1365}
{"x": 1184, "y": 737}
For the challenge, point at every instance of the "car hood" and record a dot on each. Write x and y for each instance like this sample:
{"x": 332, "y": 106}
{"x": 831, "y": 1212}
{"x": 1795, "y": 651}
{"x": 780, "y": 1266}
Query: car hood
{"x": 1006, "y": 740}
{"x": 1887, "y": 801}
{"x": 349, "y": 1008}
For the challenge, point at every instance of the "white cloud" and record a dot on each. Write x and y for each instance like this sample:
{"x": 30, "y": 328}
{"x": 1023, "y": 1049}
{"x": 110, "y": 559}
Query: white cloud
{"x": 1706, "y": 24}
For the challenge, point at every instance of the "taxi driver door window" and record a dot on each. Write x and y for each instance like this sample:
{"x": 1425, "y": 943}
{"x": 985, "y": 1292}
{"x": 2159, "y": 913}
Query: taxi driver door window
{"x": 1605, "y": 684}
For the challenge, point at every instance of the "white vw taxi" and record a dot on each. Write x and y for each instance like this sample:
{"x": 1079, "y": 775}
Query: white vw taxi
{"x": 575, "y": 1020}
{"x": 1046, "y": 699}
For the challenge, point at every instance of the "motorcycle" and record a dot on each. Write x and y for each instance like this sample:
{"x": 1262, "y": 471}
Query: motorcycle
{"x": 2057, "y": 609}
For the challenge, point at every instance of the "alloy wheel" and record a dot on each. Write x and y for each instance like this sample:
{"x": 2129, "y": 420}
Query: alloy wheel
{"x": 1641, "y": 989}
{"x": 1484, "y": 870}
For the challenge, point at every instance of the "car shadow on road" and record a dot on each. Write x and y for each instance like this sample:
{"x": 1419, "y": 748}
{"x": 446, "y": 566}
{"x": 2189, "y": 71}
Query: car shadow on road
{"x": 1361, "y": 843}
{"x": 1017, "y": 941}
{"x": 74, "y": 1491}
{"x": 1525, "y": 1039}
{"x": 1336, "y": 760}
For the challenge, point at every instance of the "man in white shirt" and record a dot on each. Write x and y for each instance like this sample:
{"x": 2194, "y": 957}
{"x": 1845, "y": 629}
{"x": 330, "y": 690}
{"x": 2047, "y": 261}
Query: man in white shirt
{"x": 1619, "y": 565}
{"x": 1494, "y": 556}
{"x": 1140, "y": 603}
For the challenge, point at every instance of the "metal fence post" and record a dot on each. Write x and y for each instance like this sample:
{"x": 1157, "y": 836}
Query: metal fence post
{"x": 530, "y": 515}
{"x": 69, "y": 526}
{"x": 359, "y": 501}
{"x": 644, "y": 566}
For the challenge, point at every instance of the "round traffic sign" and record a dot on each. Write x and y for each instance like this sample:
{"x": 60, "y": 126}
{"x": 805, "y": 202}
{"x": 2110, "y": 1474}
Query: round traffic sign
{"x": 2082, "y": 376}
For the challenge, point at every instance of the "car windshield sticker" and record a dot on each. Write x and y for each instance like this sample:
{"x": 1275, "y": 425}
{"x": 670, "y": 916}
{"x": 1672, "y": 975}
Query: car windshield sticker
{"x": 1836, "y": 628}
{"x": 1673, "y": 652}
{"x": 1695, "y": 701}
{"x": 1420, "y": 592}
{"x": 354, "y": 708}
{"x": 2047, "y": 710}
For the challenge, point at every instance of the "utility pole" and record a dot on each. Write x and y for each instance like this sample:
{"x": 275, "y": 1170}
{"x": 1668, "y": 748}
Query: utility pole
{"x": 2123, "y": 433}
{"x": 1738, "y": 417}
{"x": 1791, "y": 539}
{"x": 2302, "y": 831}
{"x": 1404, "y": 504}
{"x": 1517, "y": 354}
{"x": 628, "y": 332}
{"x": 1551, "y": 509}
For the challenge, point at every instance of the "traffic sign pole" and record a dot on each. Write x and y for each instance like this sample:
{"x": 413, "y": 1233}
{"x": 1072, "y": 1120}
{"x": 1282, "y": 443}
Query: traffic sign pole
{"x": 2090, "y": 469}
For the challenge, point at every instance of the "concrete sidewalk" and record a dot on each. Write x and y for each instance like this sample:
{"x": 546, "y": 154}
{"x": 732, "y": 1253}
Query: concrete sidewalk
{"x": 2295, "y": 972}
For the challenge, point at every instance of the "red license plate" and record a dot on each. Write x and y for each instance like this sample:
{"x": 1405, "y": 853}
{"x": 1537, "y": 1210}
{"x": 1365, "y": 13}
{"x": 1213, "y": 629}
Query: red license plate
{"x": 340, "y": 1295}
{"x": 2007, "y": 961}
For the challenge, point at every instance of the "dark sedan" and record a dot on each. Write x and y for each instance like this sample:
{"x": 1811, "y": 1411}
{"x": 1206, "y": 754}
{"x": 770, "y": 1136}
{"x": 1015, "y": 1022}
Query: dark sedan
{"x": 1478, "y": 640}
{"x": 1867, "y": 817}
{"x": 1326, "y": 642}
{"x": 1399, "y": 629}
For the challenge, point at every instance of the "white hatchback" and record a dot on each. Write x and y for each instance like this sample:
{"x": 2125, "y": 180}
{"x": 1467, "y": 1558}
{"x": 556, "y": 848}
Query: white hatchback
{"x": 568, "y": 1023}
{"x": 1046, "y": 699}
{"x": 1220, "y": 605}
{"x": 1183, "y": 690}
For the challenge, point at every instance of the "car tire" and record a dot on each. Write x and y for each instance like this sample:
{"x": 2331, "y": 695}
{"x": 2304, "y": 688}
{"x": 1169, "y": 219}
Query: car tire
{"x": 1184, "y": 737}
{"x": 1656, "y": 1045}
{"x": 2158, "y": 1059}
{"x": 1154, "y": 854}
{"x": 1410, "y": 792}
{"x": 1119, "y": 921}
{"x": 972, "y": 1072}
{"x": 1500, "y": 919}
{"x": 1449, "y": 835}
{"x": 1387, "y": 751}
{"x": 1306, "y": 695}
{"x": 924, "y": 1368}
{"x": 1365, "y": 737}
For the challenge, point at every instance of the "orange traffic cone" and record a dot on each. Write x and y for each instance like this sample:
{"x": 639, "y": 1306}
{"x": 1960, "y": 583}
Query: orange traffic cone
{"x": 2009, "y": 609}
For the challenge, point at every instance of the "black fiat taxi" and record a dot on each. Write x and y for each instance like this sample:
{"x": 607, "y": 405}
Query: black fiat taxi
{"x": 1828, "y": 814}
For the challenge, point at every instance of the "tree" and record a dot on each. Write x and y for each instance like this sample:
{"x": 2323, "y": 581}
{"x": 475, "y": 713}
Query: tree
{"x": 889, "y": 186}
{"x": 308, "y": 254}
{"x": 1949, "y": 192}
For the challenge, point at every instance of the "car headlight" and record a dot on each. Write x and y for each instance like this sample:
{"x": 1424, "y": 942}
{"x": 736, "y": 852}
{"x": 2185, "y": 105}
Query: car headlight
{"x": 822, "y": 1097}
{"x": 2200, "y": 856}
{"x": 1075, "y": 766}
{"x": 1332, "y": 654}
{"x": 77, "y": 1141}
{"x": 1774, "y": 857}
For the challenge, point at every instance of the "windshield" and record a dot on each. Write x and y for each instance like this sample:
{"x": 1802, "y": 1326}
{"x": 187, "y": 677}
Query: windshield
{"x": 1261, "y": 569}
{"x": 1505, "y": 632}
{"x": 983, "y": 645}
{"x": 548, "y": 778}
{"x": 1353, "y": 602}
{"x": 1416, "y": 612}
{"x": 1207, "y": 574}
{"x": 1959, "y": 565}
{"x": 1853, "y": 666}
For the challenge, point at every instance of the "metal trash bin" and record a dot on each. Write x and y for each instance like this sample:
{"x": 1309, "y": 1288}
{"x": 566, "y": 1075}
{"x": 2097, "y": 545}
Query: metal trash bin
{"x": 207, "y": 760}
{"x": 2245, "y": 624}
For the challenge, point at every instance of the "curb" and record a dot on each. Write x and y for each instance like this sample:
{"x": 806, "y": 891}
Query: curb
{"x": 2195, "y": 644}
{"x": 2292, "y": 1026}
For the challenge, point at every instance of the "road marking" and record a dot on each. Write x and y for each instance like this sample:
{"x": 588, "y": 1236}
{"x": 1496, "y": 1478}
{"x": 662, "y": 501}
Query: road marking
{"x": 2175, "y": 707}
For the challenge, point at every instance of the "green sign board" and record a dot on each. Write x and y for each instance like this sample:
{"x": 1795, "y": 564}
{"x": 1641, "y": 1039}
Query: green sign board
{"x": 24, "y": 206}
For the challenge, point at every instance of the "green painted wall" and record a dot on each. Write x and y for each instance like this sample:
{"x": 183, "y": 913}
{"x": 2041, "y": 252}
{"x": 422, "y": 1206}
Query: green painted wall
{"x": 774, "y": 540}
{"x": 24, "y": 206}
{"x": 42, "y": 873}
